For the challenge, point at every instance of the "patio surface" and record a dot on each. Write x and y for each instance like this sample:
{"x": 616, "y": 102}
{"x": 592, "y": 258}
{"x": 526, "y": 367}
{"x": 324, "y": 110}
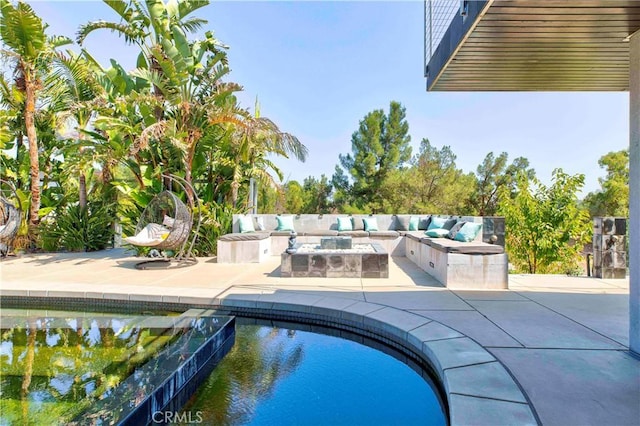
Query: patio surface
{"x": 563, "y": 340}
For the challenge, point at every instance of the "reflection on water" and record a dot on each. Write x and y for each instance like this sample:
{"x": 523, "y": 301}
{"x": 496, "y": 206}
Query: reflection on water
{"x": 54, "y": 366}
{"x": 276, "y": 376}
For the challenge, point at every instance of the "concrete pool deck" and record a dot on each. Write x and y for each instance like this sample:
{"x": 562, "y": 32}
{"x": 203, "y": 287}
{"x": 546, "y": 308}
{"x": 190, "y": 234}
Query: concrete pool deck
{"x": 552, "y": 349}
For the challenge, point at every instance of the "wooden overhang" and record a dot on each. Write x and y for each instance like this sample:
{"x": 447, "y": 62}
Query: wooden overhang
{"x": 542, "y": 45}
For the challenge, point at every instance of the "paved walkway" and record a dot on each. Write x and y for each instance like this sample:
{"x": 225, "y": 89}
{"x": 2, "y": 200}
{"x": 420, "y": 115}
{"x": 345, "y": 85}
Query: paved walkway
{"x": 563, "y": 340}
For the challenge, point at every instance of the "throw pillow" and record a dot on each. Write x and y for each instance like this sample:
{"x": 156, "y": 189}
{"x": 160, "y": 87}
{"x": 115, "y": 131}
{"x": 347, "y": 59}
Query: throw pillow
{"x": 424, "y": 223}
{"x": 169, "y": 222}
{"x": 436, "y": 223}
{"x": 344, "y": 224}
{"x": 260, "y": 223}
{"x": 448, "y": 224}
{"x": 370, "y": 224}
{"x": 246, "y": 224}
{"x": 402, "y": 223}
{"x": 468, "y": 232}
{"x": 285, "y": 223}
{"x": 413, "y": 223}
{"x": 358, "y": 223}
{"x": 436, "y": 233}
{"x": 454, "y": 230}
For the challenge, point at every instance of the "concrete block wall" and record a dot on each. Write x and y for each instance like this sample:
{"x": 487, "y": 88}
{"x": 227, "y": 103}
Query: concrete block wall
{"x": 610, "y": 247}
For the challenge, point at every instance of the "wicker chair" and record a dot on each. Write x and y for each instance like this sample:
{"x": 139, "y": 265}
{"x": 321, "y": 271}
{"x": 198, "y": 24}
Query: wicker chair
{"x": 10, "y": 218}
{"x": 166, "y": 224}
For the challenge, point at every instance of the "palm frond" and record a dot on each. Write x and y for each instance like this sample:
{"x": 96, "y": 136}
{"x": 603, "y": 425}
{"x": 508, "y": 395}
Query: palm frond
{"x": 130, "y": 34}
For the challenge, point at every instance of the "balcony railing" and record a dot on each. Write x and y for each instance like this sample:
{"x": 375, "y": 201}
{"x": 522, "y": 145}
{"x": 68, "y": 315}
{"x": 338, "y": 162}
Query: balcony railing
{"x": 438, "y": 14}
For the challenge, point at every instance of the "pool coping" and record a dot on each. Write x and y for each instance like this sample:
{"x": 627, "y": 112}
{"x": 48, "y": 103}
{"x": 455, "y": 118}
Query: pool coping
{"x": 477, "y": 386}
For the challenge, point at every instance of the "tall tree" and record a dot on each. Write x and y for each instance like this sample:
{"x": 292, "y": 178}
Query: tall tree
{"x": 433, "y": 184}
{"x": 491, "y": 175}
{"x": 613, "y": 197}
{"x": 316, "y": 194}
{"x": 545, "y": 226}
{"x": 294, "y": 197}
{"x": 380, "y": 145}
{"x": 31, "y": 51}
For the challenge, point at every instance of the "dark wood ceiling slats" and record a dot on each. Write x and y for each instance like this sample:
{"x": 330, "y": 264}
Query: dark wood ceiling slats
{"x": 547, "y": 45}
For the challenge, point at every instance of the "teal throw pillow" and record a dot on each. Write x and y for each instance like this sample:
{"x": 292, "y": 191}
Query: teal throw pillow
{"x": 285, "y": 223}
{"x": 246, "y": 224}
{"x": 344, "y": 224}
{"x": 468, "y": 232}
{"x": 370, "y": 224}
{"x": 436, "y": 223}
{"x": 437, "y": 233}
{"x": 413, "y": 223}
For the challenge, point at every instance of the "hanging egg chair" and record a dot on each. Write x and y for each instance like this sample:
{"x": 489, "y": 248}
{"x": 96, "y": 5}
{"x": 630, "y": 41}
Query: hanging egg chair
{"x": 167, "y": 224}
{"x": 10, "y": 218}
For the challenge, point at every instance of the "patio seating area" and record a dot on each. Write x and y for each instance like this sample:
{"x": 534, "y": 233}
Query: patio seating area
{"x": 541, "y": 352}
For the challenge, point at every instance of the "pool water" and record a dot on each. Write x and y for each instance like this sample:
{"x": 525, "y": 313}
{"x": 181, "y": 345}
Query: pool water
{"x": 278, "y": 376}
{"x": 63, "y": 368}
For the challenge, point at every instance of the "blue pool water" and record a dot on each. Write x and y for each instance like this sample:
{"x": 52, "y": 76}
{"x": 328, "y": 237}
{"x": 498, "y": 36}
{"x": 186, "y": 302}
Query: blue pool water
{"x": 277, "y": 376}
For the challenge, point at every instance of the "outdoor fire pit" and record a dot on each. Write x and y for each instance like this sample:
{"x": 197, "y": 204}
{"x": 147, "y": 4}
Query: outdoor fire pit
{"x": 367, "y": 260}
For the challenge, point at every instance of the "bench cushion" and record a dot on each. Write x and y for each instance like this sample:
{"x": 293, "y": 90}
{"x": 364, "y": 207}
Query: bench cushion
{"x": 384, "y": 234}
{"x": 281, "y": 233}
{"x": 354, "y": 233}
{"x": 321, "y": 233}
{"x": 449, "y": 246}
{"x": 246, "y": 236}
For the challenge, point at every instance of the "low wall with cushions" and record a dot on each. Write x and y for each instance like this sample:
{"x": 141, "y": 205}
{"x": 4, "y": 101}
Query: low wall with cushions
{"x": 479, "y": 263}
{"x": 459, "y": 265}
{"x": 388, "y": 232}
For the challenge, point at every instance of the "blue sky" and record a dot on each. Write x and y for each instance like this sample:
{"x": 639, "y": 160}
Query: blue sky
{"x": 317, "y": 68}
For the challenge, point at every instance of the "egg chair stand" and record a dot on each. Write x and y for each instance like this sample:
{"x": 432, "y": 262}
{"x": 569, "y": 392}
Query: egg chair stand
{"x": 167, "y": 224}
{"x": 10, "y": 218}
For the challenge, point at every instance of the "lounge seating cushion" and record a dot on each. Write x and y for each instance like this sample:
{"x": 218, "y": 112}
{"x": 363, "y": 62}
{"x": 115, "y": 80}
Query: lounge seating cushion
{"x": 354, "y": 234}
{"x": 468, "y": 232}
{"x": 252, "y": 236}
{"x": 449, "y": 223}
{"x": 454, "y": 230}
{"x": 437, "y": 233}
{"x": 384, "y": 234}
{"x": 423, "y": 223}
{"x": 450, "y": 246}
{"x": 370, "y": 224}
{"x": 436, "y": 223}
{"x": 402, "y": 223}
{"x": 358, "y": 223}
{"x": 277, "y": 233}
{"x": 414, "y": 222}
{"x": 246, "y": 224}
{"x": 285, "y": 223}
{"x": 321, "y": 233}
{"x": 345, "y": 224}
{"x": 149, "y": 236}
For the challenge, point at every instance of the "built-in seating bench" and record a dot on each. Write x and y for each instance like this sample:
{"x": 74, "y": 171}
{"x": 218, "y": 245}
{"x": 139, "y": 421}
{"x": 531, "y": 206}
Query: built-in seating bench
{"x": 455, "y": 264}
{"x": 458, "y": 264}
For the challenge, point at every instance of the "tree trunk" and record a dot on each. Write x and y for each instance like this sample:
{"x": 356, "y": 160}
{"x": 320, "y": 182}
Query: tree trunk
{"x": 19, "y": 144}
{"x": 34, "y": 165}
{"x": 82, "y": 190}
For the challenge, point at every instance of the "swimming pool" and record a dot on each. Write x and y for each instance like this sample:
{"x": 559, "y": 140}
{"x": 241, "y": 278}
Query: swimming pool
{"x": 282, "y": 376}
{"x": 286, "y": 375}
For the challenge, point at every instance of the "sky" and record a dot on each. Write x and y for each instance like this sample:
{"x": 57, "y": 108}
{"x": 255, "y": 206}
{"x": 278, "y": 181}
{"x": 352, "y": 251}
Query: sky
{"x": 318, "y": 67}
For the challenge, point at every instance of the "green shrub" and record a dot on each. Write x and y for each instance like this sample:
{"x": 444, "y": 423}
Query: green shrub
{"x": 217, "y": 220}
{"x": 77, "y": 229}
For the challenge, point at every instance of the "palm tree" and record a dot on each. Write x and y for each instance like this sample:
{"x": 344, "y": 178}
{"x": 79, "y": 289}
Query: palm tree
{"x": 254, "y": 140}
{"x": 23, "y": 33}
{"x": 78, "y": 94}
